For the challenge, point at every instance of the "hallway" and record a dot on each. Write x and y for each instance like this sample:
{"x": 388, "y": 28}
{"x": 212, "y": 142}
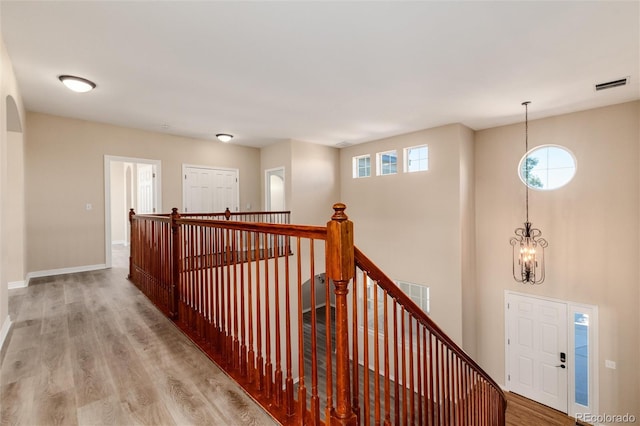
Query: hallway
{"x": 90, "y": 349}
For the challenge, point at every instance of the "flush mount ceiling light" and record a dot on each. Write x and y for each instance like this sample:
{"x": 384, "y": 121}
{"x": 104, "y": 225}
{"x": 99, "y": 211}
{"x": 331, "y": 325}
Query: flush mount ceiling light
{"x": 224, "y": 137}
{"x": 77, "y": 84}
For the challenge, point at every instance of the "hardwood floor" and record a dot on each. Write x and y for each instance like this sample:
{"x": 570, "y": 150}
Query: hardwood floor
{"x": 90, "y": 349}
{"x": 525, "y": 412}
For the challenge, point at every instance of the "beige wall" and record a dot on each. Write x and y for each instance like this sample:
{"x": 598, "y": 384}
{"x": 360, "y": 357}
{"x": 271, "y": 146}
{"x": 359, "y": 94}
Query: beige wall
{"x": 60, "y": 232}
{"x": 118, "y": 202}
{"x": 410, "y": 224}
{"x": 592, "y": 225}
{"x": 12, "y": 127}
{"x": 312, "y": 179}
{"x": 315, "y": 182}
{"x": 271, "y": 157}
{"x": 468, "y": 239}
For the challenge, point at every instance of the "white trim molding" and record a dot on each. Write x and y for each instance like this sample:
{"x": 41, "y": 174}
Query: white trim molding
{"x": 16, "y": 284}
{"x": 63, "y": 271}
{"x": 4, "y": 331}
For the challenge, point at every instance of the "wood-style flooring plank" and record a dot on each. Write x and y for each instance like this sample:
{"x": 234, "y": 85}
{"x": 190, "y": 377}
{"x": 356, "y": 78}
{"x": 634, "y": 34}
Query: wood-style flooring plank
{"x": 56, "y": 409}
{"x": 89, "y": 376}
{"x": 16, "y": 402}
{"x": 105, "y": 412}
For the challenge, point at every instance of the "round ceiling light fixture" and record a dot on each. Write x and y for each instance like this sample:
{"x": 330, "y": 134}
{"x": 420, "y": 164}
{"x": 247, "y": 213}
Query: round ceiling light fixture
{"x": 224, "y": 137}
{"x": 77, "y": 84}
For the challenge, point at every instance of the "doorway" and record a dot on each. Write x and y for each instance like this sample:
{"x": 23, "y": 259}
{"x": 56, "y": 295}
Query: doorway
{"x": 209, "y": 189}
{"x": 274, "y": 189}
{"x": 551, "y": 352}
{"x": 130, "y": 183}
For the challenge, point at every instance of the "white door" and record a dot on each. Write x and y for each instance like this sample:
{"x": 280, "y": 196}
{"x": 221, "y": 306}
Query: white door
{"x": 146, "y": 189}
{"x": 209, "y": 190}
{"x": 274, "y": 181}
{"x": 537, "y": 350}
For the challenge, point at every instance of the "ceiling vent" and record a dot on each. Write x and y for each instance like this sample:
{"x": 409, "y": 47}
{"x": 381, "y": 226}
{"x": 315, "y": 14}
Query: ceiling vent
{"x": 343, "y": 144}
{"x": 612, "y": 84}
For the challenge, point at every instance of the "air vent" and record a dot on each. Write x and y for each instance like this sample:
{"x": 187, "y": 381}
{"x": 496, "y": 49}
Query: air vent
{"x": 612, "y": 84}
{"x": 343, "y": 144}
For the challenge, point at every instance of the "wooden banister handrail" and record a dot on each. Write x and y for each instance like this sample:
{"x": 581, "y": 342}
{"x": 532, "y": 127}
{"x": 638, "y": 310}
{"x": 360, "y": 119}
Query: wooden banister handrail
{"x": 409, "y": 305}
{"x": 233, "y": 282}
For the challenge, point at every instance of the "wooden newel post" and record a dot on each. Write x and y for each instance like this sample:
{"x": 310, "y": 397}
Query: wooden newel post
{"x": 340, "y": 270}
{"x": 227, "y": 213}
{"x": 175, "y": 259}
{"x": 133, "y": 243}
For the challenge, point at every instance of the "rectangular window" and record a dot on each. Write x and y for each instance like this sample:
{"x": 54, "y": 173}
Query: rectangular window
{"x": 416, "y": 158}
{"x": 581, "y": 356}
{"x": 362, "y": 166}
{"x": 387, "y": 163}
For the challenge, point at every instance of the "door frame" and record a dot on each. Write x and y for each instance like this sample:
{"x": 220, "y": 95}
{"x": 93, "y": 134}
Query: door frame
{"x": 267, "y": 187}
{"x": 572, "y": 307}
{"x": 108, "y": 159}
{"x": 184, "y": 182}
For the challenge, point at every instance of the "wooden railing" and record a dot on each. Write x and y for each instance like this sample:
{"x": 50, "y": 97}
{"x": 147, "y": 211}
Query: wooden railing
{"x": 235, "y": 287}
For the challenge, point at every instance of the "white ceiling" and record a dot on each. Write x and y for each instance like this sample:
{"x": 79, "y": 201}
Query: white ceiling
{"x": 322, "y": 72}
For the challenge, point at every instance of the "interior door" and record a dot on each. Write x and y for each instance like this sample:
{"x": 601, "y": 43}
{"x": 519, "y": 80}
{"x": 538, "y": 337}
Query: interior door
{"x": 146, "y": 189}
{"x": 209, "y": 190}
{"x": 537, "y": 350}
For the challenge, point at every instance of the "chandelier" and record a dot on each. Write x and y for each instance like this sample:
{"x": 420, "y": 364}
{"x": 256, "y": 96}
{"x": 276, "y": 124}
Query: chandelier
{"x": 528, "y": 245}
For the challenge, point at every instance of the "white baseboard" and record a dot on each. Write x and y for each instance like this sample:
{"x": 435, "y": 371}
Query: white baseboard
{"x": 63, "y": 271}
{"x": 4, "y": 331}
{"x": 16, "y": 284}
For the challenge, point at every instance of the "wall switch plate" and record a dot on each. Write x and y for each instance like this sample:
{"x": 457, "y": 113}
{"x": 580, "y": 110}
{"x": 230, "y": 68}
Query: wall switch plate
{"x": 610, "y": 364}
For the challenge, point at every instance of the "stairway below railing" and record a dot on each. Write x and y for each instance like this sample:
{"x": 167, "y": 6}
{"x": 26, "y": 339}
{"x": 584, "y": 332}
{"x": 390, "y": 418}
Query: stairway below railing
{"x": 237, "y": 288}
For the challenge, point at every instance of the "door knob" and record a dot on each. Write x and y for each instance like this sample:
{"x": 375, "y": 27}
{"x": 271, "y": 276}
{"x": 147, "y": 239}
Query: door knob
{"x": 561, "y": 366}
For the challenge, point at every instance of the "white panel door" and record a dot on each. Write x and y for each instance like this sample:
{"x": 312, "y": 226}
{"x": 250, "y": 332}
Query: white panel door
{"x": 208, "y": 190}
{"x": 226, "y": 190}
{"x": 146, "y": 189}
{"x": 537, "y": 350}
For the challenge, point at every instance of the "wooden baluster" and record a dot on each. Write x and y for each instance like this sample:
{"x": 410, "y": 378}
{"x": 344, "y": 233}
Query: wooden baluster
{"x": 218, "y": 289}
{"x": 175, "y": 262}
{"x": 194, "y": 278}
{"x": 404, "y": 367}
{"x": 419, "y": 352}
{"x": 289, "y": 400}
{"x": 235, "y": 303}
{"x": 133, "y": 244}
{"x": 315, "y": 400}
{"x": 224, "y": 297}
{"x": 244, "y": 249}
{"x": 329, "y": 360}
{"x": 387, "y": 371}
{"x": 412, "y": 418}
{"x": 201, "y": 273}
{"x": 260, "y": 359}
{"x": 365, "y": 351}
{"x": 251, "y": 356}
{"x": 396, "y": 369}
{"x": 376, "y": 357}
{"x": 446, "y": 385}
{"x": 278, "y": 372}
{"x": 433, "y": 378}
{"x": 340, "y": 266}
{"x": 267, "y": 305}
{"x": 425, "y": 354}
{"x": 355, "y": 388}
{"x": 302, "y": 390}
